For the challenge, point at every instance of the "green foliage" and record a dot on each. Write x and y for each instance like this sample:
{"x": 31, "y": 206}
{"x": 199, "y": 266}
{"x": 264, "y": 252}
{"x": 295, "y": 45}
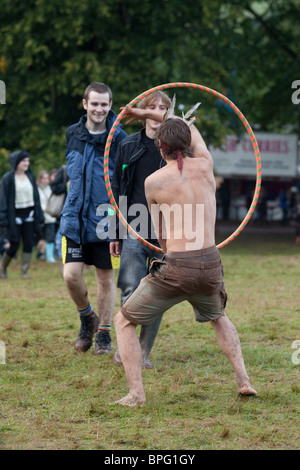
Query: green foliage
{"x": 54, "y": 398}
{"x": 50, "y": 51}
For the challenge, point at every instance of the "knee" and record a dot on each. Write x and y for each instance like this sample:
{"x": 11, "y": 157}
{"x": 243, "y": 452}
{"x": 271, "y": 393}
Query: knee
{"x": 70, "y": 277}
{"x": 118, "y": 320}
{"x": 106, "y": 282}
{"x": 219, "y": 321}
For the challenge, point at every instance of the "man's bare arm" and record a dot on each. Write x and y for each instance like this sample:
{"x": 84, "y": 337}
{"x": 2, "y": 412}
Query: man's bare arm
{"x": 138, "y": 114}
{"x": 156, "y": 216}
{"x": 198, "y": 146}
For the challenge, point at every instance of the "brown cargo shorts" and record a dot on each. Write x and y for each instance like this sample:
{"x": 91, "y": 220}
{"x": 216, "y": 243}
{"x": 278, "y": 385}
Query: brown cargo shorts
{"x": 195, "y": 276}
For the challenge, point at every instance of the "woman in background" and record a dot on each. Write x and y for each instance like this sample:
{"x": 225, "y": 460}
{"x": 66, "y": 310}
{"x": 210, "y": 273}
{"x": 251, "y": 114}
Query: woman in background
{"x": 21, "y": 214}
{"x": 47, "y": 244}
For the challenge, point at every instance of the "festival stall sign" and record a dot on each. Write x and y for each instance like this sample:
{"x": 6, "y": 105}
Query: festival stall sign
{"x": 279, "y": 155}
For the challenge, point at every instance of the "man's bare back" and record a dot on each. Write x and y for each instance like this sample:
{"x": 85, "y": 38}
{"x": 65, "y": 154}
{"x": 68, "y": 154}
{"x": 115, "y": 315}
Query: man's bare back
{"x": 187, "y": 202}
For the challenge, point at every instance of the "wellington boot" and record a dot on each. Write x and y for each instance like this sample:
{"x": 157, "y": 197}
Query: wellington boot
{"x": 50, "y": 248}
{"x": 25, "y": 263}
{"x": 5, "y": 260}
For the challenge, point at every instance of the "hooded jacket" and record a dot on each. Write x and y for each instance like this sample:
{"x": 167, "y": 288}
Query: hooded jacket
{"x": 87, "y": 191}
{"x": 129, "y": 152}
{"x": 7, "y": 200}
{"x": 16, "y": 157}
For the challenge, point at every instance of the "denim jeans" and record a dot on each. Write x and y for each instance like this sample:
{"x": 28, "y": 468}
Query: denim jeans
{"x": 134, "y": 264}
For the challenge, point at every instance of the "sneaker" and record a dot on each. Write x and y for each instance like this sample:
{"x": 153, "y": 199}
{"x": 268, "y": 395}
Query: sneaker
{"x": 102, "y": 343}
{"x": 89, "y": 326}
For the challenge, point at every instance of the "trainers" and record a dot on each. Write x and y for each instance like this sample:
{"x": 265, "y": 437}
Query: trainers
{"x": 89, "y": 326}
{"x": 102, "y": 343}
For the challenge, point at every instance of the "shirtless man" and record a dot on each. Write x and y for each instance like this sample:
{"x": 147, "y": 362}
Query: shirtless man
{"x": 195, "y": 275}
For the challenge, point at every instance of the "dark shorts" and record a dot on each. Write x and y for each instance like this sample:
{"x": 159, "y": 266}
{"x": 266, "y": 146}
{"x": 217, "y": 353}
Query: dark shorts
{"x": 96, "y": 254}
{"x": 195, "y": 276}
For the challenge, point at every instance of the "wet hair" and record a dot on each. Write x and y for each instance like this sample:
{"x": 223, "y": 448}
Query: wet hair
{"x": 173, "y": 137}
{"x": 98, "y": 88}
{"x": 151, "y": 99}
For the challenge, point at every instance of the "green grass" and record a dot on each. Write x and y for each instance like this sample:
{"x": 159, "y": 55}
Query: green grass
{"x": 52, "y": 397}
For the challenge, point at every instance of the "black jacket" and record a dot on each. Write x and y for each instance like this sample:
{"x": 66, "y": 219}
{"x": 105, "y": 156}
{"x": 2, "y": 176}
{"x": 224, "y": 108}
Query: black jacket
{"x": 7, "y": 206}
{"x": 59, "y": 185}
{"x": 129, "y": 152}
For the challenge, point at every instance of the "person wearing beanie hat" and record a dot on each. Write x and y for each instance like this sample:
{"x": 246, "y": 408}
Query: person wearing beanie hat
{"x": 21, "y": 215}
{"x": 16, "y": 157}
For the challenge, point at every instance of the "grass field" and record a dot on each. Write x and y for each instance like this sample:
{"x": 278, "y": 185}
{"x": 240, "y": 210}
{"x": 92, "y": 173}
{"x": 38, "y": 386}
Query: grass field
{"x": 52, "y": 397}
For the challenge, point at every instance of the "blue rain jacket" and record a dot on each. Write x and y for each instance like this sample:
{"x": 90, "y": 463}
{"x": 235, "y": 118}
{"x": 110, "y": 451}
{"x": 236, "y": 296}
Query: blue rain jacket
{"x": 87, "y": 191}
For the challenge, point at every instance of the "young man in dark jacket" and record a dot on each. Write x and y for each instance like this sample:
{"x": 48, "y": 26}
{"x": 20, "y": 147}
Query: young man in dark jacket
{"x": 137, "y": 158}
{"x": 80, "y": 224}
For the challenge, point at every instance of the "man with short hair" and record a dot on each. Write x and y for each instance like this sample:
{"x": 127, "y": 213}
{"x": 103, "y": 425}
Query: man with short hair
{"x": 83, "y": 241}
{"x": 196, "y": 274}
{"x": 137, "y": 158}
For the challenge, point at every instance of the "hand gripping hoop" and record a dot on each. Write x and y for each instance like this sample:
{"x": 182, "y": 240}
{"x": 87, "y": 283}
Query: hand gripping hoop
{"x": 237, "y": 112}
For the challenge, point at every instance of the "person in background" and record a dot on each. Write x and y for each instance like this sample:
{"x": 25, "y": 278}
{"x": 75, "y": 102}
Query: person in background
{"x": 59, "y": 183}
{"x": 137, "y": 158}
{"x": 52, "y": 175}
{"x": 47, "y": 244}
{"x": 4, "y": 244}
{"x": 283, "y": 204}
{"x": 21, "y": 215}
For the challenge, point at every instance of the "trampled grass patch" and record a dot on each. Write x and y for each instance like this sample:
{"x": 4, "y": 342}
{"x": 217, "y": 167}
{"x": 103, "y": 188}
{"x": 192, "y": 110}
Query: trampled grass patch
{"x": 53, "y": 397}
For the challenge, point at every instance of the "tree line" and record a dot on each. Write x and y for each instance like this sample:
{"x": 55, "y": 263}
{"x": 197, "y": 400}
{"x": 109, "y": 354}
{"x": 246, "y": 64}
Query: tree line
{"x": 51, "y": 50}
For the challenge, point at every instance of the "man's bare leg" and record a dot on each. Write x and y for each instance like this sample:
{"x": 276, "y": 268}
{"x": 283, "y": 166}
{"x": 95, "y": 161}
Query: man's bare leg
{"x": 132, "y": 358}
{"x": 230, "y": 344}
{"x": 147, "y": 338}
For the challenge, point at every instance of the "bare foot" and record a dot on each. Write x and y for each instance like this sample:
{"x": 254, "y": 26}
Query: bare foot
{"x": 129, "y": 400}
{"x": 246, "y": 389}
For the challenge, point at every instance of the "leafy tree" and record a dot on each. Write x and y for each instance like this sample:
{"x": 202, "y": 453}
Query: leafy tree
{"x": 51, "y": 50}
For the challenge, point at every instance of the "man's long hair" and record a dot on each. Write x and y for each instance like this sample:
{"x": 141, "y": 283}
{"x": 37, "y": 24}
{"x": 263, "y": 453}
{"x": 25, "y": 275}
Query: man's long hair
{"x": 173, "y": 137}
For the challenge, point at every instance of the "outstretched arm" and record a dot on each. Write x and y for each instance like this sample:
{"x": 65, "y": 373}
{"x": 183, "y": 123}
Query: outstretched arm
{"x": 198, "y": 146}
{"x": 139, "y": 114}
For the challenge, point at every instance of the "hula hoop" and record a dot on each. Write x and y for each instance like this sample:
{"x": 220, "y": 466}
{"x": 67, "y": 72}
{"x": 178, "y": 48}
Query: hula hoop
{"x": 165, "y": 86}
